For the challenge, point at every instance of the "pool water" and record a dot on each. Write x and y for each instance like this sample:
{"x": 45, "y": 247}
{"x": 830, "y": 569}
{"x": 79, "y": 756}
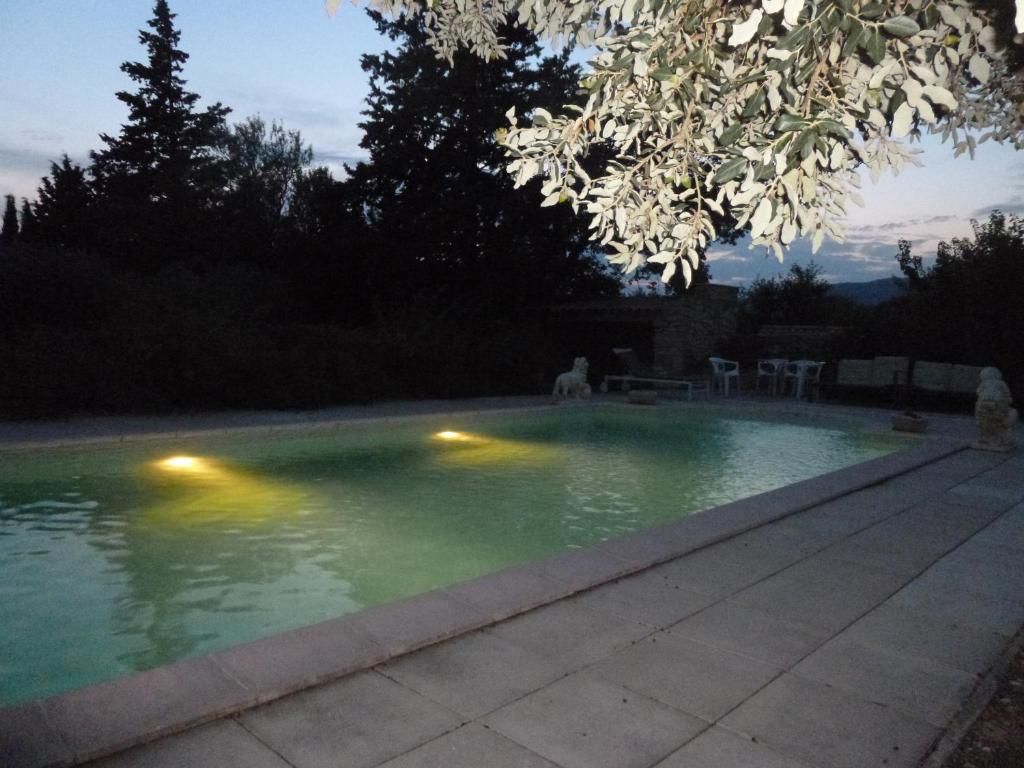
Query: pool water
{"x": 118, "y": 558}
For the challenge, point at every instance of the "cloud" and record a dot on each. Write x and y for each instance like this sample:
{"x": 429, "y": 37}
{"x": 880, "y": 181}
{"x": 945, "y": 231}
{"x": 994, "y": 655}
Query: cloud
{"x": 22, "y": 158}
{"x": 1016, "y": 175}
{"x": 858, "y": 259}
{"x": 21, "y": 168}
{"x": 724, "y": 255}
{"x": 292, "y": 110}
{"x": 891, "y": 226}
{"x": 337, "y": 158}
{"x": 40, "y": 136}
{"x": 1015, "y": 206}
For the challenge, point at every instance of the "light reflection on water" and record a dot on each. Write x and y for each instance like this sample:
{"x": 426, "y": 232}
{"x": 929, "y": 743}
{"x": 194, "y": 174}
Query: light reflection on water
{"x": 110, "y": 563}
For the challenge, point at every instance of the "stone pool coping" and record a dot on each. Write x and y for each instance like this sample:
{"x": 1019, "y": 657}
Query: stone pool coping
{"x": 129, "y": 430}
{"x": 106, "y": 718}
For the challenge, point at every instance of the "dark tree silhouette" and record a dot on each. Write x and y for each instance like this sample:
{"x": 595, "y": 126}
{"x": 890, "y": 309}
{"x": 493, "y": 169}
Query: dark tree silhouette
{"x": 63, "y": 210}
{"x": 161, "y": 171}
{"x": 262, "y": 165}
{"x": 331, "y": 249}
{"x": 29, "y": 224}
{"x": 801, "y": 297}
{"x": 966, "y": 307}
{"x": 910, "y": 265}
{"x": 435, "y": 193}
{"x": 9, "y": 227}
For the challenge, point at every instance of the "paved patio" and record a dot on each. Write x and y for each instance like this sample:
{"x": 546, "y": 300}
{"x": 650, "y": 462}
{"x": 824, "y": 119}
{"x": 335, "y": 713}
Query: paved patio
{"x": 844, "y": 636}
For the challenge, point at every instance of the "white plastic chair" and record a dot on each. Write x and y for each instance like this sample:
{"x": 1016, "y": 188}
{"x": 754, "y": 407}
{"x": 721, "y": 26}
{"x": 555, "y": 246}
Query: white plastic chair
{"x": 802, "y": 372}
{"x": 771, "y": 369}
{"x": 722, "y": 371}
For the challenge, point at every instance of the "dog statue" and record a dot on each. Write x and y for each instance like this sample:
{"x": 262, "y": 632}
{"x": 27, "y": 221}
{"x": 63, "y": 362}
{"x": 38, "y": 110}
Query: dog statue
{"x": 573, "y": 382}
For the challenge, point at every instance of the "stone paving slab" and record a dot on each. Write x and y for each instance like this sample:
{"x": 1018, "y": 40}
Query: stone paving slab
{"x": 358, "y": 722}
{"x": 1006, "y": 534}
{"x": 988, "y": 567}
{"x": 474, "y": 674}
{"x": 940, "y": 640}
{"x": 1000, "y": 612}
{"x": 584, "y": 721}
{"x": 822, "y": 591}
{"x": 224, "y": 744}
{"x": 725, "y": 568}
{"x": 917, "y": 688}
{"x": 909, "y": 542}
{"x": 825, "y": 726}
{"x": 983, "y": 494}
{"x": 472, "y": 746}
{"x": 958, "y": 520}
{"x": 787, "y": 537}
{"x": 698, "y": 679}
{"x": 719, "y": 748}
{"x": 752, "y": 633}
{"x": 650, "y": 598}
{"x": 570, "y": 634}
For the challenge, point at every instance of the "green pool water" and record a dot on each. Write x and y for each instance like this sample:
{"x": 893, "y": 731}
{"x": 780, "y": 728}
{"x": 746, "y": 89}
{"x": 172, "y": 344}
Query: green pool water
{"x": 113, "y": 559}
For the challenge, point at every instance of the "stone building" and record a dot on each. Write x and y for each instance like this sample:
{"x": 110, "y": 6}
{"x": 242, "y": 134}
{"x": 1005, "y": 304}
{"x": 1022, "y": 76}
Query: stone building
{"x": 676, "y": 335}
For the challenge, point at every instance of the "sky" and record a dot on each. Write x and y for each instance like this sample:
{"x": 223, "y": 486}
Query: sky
{"x": 287, "y": 60}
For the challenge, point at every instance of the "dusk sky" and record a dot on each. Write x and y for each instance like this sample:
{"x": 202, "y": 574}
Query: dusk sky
{"x": 288, "y": 61}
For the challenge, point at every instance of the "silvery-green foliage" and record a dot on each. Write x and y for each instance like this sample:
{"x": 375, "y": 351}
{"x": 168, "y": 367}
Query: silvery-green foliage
{"x": 764, "y": 109}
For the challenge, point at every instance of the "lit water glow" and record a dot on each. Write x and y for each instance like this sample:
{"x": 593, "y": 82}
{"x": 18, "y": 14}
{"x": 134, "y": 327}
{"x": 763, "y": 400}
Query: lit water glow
{"x": 182, "y": 463}
{"x": 124, "y": 557}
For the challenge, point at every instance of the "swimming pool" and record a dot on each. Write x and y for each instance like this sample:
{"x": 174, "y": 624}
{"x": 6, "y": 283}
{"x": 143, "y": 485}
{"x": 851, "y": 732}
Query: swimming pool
{"x": 116, "y": 558}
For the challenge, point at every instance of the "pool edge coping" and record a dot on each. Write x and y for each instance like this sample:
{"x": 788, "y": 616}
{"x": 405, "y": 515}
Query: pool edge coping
{"x": 323, "y": 422}
{"x": 299, "y": 424}
{"x": 106, "y": 718}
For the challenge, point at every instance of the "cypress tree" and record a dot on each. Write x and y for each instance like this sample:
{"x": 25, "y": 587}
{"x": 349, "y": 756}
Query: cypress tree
{"x": 29, "y": 223}
{"x": 444, "y": 213}
{"x": 9, "y": 228}
{"x": 161, "y": 170}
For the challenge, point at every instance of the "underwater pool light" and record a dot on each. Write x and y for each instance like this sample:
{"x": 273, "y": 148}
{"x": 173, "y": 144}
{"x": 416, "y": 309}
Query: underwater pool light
{"x": 450, "y": 435}
{"x": 181, "y": 463}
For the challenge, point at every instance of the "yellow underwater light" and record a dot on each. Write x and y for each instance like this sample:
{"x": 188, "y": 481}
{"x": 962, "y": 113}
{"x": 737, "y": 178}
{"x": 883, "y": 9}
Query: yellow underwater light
{"x": 181, "y": 463}
{"x": 450, "y": 435}
{"x": 464, "y": 448}
{"x": 198, "y": 490}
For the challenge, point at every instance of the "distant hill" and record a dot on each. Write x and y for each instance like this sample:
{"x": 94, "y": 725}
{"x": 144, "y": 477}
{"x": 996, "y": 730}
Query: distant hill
{"x": 872, "y": 292}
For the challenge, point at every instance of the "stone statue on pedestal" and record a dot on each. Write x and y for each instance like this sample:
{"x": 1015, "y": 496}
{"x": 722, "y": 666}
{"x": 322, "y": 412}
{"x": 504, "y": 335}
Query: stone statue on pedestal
{"x": 994, "y": 413}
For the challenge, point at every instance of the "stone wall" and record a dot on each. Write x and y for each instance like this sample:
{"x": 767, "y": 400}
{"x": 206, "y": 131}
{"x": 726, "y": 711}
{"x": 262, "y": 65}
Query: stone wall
{"x": 693, "y": 328}
{"x": 676, "y": 335}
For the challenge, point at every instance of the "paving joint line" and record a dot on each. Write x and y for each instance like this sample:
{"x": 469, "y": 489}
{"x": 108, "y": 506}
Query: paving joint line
{"x": 237, "y": 718}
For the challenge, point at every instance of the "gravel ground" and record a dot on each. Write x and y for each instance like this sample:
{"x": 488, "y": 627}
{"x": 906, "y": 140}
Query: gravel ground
{"x": 996, "y": 740}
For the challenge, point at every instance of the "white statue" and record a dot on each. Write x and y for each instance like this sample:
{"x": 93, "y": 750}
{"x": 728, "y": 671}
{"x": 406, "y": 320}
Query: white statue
{"x": 573, "y": 382}
{"x": 993, "y": 413}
